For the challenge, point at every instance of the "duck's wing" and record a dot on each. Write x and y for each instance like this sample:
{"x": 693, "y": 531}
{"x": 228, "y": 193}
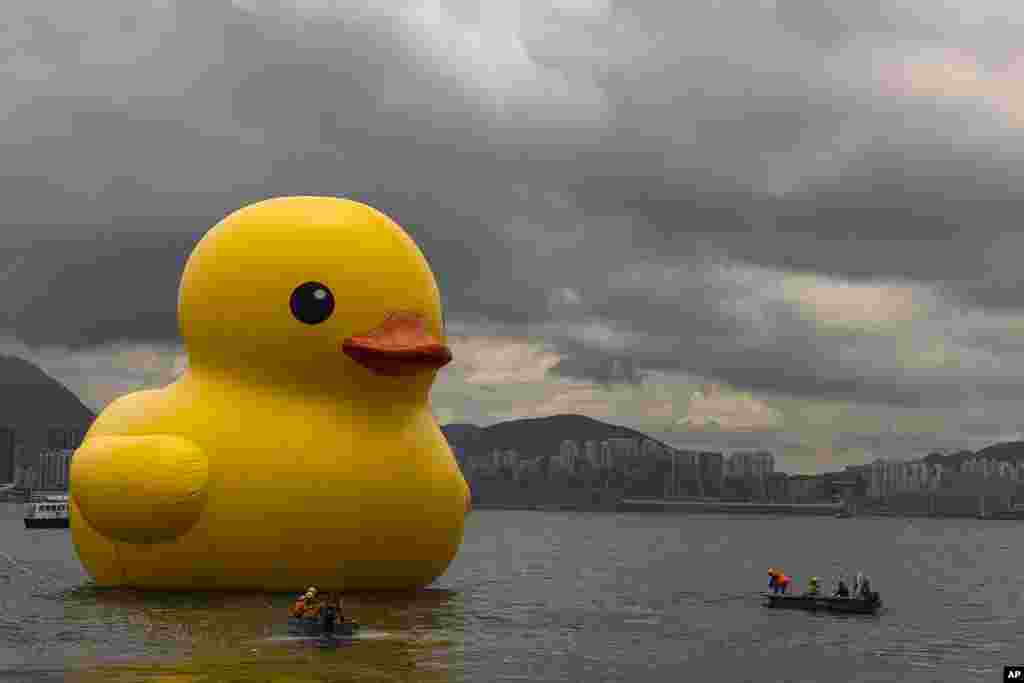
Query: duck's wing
{"x": 139, "y": 489}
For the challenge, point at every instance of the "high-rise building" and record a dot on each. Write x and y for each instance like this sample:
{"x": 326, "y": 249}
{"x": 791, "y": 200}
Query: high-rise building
{"x": 568, "y": 455}
{"x": 54, "y": 469}
{"x": 7, "y": 441}
{"x": 712, "y": 472}
{"x": 686, "y": 476}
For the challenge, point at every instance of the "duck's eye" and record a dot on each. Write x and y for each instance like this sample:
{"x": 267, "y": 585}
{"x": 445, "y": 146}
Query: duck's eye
{"x": 312, "y": 303}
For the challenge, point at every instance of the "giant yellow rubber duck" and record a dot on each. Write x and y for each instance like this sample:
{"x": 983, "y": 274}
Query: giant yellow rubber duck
{"x": 299, "y": 447}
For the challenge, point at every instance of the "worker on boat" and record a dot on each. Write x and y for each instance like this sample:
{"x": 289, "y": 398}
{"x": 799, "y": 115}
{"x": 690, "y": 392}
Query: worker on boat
{"x": 329, "y": 613}
{"x": 865, "y": 589}
{"x": 299, "y": 608}
{"x": 338, "y": 608}
{"x": 842, "y": 591}
{"x": 812, "y": 586}
{"x": 313, "y": 606}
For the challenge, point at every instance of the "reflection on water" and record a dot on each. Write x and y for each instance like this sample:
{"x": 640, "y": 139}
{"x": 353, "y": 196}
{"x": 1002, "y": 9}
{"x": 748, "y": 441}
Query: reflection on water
{"x": 244, "y": 637}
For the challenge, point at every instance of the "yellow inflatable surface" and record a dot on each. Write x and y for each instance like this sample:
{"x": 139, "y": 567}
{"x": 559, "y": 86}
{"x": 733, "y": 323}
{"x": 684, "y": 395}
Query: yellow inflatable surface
{"x": 299, "y": 447}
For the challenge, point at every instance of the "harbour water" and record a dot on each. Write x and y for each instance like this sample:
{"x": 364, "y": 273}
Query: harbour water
{"x": 558, "y": 596}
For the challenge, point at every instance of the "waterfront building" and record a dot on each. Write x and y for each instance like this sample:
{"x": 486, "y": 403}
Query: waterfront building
{"x": 917, "y": 476}
{"x": 988, "y": 467}
{"x": 712, "y": 472}
{"x": 566, "y": 460}
{"x": 656, "y": 467}
{"x": 510, "y": 459}
{"x": 877, "y": 479}
{"x": 755, "y": 465}
{"x": 775, "y": 486}
{"x": 1006, "y": 471}
{"x": 7, "y": 459}
{"x": 913, "y": 477}
{"x": 624, "y": 451}
{"x": 54, "y": 469}
{"x": 26, "y": 477}
{"x": 803, "y": 488}
{"x": 686, "y": 480}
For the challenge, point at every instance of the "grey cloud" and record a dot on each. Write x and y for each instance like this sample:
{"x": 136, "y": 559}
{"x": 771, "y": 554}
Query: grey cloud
{"x": 728, "y": 141}
{"x": 578, "y": 362}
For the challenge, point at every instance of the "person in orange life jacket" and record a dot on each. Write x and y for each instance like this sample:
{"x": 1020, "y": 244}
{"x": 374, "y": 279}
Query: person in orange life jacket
{"x": 299, "y": 608}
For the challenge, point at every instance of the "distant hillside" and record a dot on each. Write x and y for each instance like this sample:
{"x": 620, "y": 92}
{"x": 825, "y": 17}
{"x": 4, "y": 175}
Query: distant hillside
{"x": 460, "y": 432}
{"x": 31, "y": 402}
{"x": 534, "y": 436}
{"x": 952, "y": 460}
{"x": 1011, "y": 451}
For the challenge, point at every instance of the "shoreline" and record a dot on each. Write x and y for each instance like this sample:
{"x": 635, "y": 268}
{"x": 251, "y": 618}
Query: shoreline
{"x": 741, "y": 509}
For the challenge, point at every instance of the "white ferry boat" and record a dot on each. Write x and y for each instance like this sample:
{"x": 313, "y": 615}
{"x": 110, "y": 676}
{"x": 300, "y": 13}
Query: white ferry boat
{"x": 47, "y": 512}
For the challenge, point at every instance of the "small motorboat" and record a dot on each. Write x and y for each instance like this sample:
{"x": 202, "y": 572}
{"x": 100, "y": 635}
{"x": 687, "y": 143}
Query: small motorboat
{"x": 315, "y": 627}
{"x": 821, "y": 603}
{"x": 47, "y": 512}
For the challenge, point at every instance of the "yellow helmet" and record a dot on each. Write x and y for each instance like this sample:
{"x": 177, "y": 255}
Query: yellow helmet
{"x": 814, "y": 579}
{"x": 312, "y": 590}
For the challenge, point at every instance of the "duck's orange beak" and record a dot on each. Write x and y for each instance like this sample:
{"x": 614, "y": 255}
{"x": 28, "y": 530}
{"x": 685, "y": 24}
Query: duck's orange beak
{"x": 401, "y": 345}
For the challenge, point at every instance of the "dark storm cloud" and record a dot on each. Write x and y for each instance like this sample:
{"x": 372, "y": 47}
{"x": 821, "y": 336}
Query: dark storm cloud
{"x": 98, "y": 288}
{"x": 715, "y": 136}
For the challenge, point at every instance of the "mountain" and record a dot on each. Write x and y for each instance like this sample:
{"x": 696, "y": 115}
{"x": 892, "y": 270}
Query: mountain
{"x": 950, "y": 461}
{"x": 32, "y": 403}
{"x": 462, "y": 432}
{"x": 1011, "y": 451}
{"x": 533, "y": 437}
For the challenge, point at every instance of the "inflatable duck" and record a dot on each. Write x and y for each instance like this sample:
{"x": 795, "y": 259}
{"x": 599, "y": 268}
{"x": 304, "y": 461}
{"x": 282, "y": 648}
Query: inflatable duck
{"x": 298, "y": 447}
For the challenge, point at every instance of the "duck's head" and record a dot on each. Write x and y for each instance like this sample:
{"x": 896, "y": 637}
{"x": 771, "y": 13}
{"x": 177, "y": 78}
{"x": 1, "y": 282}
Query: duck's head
{"x": 315, "y": 291}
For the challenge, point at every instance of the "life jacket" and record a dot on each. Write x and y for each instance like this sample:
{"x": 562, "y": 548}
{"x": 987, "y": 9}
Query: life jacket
{"x": 298, "y": 608}
{"x": 312, "y": 610}
{"x": 783, "y": 579}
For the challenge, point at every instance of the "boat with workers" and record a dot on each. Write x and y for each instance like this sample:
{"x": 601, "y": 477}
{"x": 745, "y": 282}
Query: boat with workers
{"x": 312, "y": 615}
{"x": 862, "y": 600}
{"x": 816, "y": 603}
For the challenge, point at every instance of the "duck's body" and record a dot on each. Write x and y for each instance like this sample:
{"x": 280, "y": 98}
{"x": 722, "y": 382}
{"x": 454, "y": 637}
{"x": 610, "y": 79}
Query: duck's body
{"x": 254, "y": 475}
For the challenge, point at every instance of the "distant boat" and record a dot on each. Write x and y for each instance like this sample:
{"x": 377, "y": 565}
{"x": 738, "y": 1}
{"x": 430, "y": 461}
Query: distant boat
{"x": 48, "y": 512}
{"x": 812, "y": 603}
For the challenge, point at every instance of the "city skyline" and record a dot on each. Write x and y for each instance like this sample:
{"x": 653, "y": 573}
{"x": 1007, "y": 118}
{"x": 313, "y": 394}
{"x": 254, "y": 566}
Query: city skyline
{"x": 725, "y": 225}
{"x": 609, "y": 472}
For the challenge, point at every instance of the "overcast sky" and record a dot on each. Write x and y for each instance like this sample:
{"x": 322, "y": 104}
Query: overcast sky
{"x": 792, "y": 224}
